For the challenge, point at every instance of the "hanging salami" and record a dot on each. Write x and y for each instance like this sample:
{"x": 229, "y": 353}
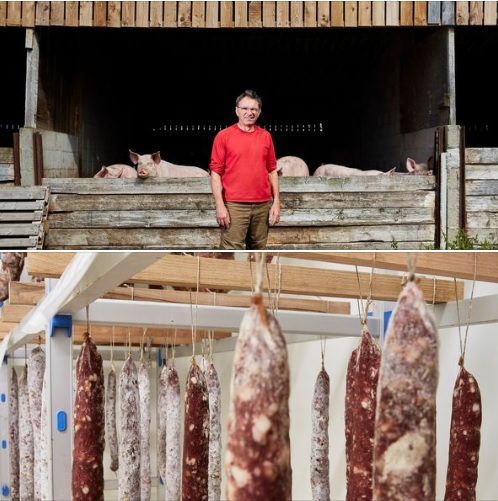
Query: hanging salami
{"x": 111, "y": 432}
{"x": 258, "y": 465}
{"x": 361, "y": 402}
{"x": 26, "y": 446}
{"x": 129, "y": 444}
{"x": 173, "y": 455}
{"x": 319, "y": 468}
{"x": 162, "y": 406}
{"x": 465, "y": 439}
{"x": 195, "y": 437}
{"x": 214, "y": 391}
{"x": 36, "y": 372}
{"x": 405, "y": 422}
{"x": 14, "y": 435}
{"x": 144, "y": 393}
{"x": 88, "y": 425}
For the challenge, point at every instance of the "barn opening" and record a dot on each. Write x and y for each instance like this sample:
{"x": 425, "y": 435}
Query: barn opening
{"x": 360, "y": 97}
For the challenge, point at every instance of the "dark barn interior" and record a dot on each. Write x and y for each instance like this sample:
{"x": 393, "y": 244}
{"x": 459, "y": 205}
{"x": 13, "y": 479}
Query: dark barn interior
{"x": 328, "y": 94}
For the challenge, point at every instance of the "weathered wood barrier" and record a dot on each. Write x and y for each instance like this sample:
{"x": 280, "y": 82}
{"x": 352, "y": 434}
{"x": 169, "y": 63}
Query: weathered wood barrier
{"x": 372, "y": 212}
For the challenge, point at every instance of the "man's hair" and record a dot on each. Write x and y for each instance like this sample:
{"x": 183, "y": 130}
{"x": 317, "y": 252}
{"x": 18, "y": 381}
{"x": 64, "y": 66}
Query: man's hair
{"x": 249, "y": 93}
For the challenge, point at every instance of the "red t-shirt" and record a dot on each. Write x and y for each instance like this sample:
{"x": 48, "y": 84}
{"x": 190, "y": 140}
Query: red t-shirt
{"x": 243, "y": 160}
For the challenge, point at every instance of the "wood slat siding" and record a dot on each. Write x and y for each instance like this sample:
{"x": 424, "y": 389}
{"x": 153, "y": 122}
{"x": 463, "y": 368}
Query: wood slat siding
{"x": 23, "y": 211}
{"x": 481, "y": 194}
{"x": 7, "y": 175}
{"x": 374, "y": 212}
{"x": 246, "y": 14}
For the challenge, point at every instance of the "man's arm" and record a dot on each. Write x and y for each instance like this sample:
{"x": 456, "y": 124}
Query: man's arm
{"x": 222, "y": 216}
{"x": 275, "y": 208}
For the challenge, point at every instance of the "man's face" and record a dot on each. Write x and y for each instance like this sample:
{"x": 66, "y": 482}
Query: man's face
{"x": 247, "y": 111}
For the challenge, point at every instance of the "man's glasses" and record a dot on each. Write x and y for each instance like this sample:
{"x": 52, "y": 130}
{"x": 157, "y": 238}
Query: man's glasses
{"x": 252, "y": 110}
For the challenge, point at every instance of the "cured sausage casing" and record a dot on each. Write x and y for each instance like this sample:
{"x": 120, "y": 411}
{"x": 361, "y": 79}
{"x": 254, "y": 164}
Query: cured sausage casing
{"x": 361, "y": 402}
{"x": 14, "y": 435}
{"x": 465, "y": 439}
{"x": 144, "y": 393}
{"x": 129, "y": 444}
{"x": 162, "y": 406}
{"x": 195, "y": 437}
{"x": 110, "y": 420}
{"x": 214, "y": 390}
{"x": 320, "y": 467}
{"x": 173, "y": 456}
{"x": 405, "y": 422}
{"x": 26, "y": 445}
{"x": 257, "y": 461}
{"x": 89, "y": 425}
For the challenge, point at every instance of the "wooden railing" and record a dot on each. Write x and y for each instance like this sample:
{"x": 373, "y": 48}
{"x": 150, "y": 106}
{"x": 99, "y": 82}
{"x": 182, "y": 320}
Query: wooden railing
{"x": 243, "y": 14}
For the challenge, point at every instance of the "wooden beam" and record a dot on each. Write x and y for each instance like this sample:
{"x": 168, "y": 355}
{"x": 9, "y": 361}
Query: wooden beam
{"x": 190, "y": 271}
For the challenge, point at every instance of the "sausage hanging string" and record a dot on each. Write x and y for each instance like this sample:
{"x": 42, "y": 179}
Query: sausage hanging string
{"x": 364, "y": 307}
{"x": 463, "y": 341}
{"x": 412, "y": 261}
{"x": 260, "y": 259}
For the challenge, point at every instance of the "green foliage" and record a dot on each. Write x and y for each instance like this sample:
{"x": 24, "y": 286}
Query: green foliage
{"x": 463, "y": 242}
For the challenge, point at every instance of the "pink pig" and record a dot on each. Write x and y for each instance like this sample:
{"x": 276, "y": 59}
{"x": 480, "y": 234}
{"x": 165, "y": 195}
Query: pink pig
{"x": 292, "y": 166}
{"x": 152, "y": 166}
{"x": 342, "y": 171}
{"x": 116, "y": 171}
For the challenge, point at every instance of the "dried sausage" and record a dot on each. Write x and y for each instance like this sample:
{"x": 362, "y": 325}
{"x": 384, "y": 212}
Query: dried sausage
{"x": 214, "y": 391}
{"x": 361, "y": 403}
{"x": 405, "y": 421}
{"x": 129, "y": 444}
{"x": 195, "y": 437}
{"x": 465, "y": 439}
{"x": 89, "y": 425}
{"x": 26, "y": 446}
{"x": 14, "y": 435}
{"x": 144, "y": 393}
{"x": 162, "y": 406}
{"x": 36, "y": 371}
{"x": 12, "y": 266}
{"x": 257, "y": 461}
{"x": 110, "y": 420}
{"x": 173, "y": 456}
{"x": 319, "y": 468}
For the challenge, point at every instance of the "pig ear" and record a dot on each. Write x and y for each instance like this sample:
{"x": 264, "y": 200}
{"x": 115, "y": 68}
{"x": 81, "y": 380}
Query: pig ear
{"x": 391, "y": 172}
{"x": 133, "y": 157}
{"x": 410, "y": 165}
{"x": 156, "y": 157}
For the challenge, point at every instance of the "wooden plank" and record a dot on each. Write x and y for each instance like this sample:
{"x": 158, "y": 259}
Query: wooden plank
{"x": 30, "y": 293}
{"x": 142, "y": 14}
{"x": 297, "y": 14}
{"x": 240, "y": 11}
{"x": 420, "y": 14}
{"x": 212, "y": 14}
{"x": 350, "y": 14}
{"x": 310, "y": 15}
{"x": 14, "y": 10}
{"x": 190, "y": 271}
{"x": 227, "y": 14}
{"x": 476, "y": 13}
{"x": 269, "y": 14}
{"x": 481, "y": 155}
{"x": 170, "y": 14}
{"x": 399, "y": 13}
{"x": 483, "y": 220}
{"x": 6, "y": 172}
{"x": 42, "y": 17}
{"x": 448, "y": 14}
{"x": 156, "y": 14}
{"x": 282, "y": 13}
{"x": 434, "y": 13}
{"x": 28, "y": 14}
{"x": 21, "y": 216}
{"x": 57, "y": 13}
{"x": 481, "y": 171}
{"x": 3, "y": 12}
{"x": 255, "y": 14}
{"x": 114, "y": 14}
{"x": 462, "y": 13}
{"x": 198, "y": 14}
{"x": 378, "y": 13}
{"x": 18, "y": 242}
{"x": 364, "y": 13}
{"x": 72, "y": 13}
{"x": 330, "y": 14}
{"x": 18, "y": 230}
{"x": 86, "y": 13}
{"x": 487, "y": 187}
{"x": 184, "y": 15}
{"x": 481, "y": 204}
{"x": 99, "y": 13}
{"x": 490, "y": 16}
{"x": 128, "y": 13}
{"x": 23, "y": 193}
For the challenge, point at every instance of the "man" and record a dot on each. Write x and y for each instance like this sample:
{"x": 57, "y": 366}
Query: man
{"x": 244, "y": 179}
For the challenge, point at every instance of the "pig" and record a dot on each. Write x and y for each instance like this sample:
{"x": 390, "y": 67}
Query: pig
{"x": 116, "y": 171}
{"x": 423, "y": 168}
{"x": 342, "y": 171}
{"x": 151, "y": 165}
{"x": 292, "y": 166}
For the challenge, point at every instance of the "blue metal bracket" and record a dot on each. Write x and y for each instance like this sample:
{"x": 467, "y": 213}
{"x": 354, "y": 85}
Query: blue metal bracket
{"x": 62, "y": 322}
